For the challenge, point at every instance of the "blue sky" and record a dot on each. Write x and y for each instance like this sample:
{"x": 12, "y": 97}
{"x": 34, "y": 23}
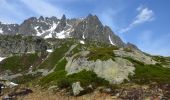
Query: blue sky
{"x": 145, "y": 23}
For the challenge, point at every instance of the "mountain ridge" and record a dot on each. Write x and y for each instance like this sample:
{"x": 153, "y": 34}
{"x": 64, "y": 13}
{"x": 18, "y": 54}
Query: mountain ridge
{"x": 89, "y": 28}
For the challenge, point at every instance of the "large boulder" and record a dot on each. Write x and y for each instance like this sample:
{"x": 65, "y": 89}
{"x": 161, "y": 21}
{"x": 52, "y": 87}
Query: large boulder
{"x": 113, "y": 71}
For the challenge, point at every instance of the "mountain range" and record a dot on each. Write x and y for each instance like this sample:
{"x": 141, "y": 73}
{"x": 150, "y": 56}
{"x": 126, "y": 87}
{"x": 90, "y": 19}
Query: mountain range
{"x": 89, "y": 28}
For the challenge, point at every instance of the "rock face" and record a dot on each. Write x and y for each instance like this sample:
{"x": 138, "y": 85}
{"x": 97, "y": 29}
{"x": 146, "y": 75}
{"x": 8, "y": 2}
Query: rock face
{"x": 91, "y": 28}
{"x": 137, "y": 55}
{"x": 76, "y": 88}
{"x": 113, "y": 71}
{"x": 88, "y": 29}
{"x": 8, "y": 29}
{"x": 19, "y": 45}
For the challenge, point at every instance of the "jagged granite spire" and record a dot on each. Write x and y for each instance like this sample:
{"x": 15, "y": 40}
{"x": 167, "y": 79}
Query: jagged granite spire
{"x": 87, "y": 29}
{"x": 61, "y": 24}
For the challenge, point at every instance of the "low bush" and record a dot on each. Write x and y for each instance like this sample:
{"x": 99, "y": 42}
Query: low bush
{"x": 145, "y": 74}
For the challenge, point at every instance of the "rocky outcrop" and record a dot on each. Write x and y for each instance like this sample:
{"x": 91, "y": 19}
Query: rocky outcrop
{"x": 18, "y": 45}
{"x": 91, "y": 29}
{"x": 76, "y": 88}
{"x": 137, "y": 55}
{"x": 113, "y": 71}
{"x": 9, "y": 29}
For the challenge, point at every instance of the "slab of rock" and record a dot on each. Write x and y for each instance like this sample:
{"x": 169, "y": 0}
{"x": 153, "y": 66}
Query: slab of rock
{"x": 113, "y": 71}
{"x": 135, "y": 54}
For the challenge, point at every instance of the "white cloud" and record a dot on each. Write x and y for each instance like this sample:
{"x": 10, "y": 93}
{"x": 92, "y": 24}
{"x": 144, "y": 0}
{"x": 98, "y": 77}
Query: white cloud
{"x": 144, "y": 15}
{"x": 41, "y": 7}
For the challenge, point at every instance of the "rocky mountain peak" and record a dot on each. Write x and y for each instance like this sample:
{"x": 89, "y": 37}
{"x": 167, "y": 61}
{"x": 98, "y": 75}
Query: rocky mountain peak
{"x": 93, "y": 19}
{"x": 87, "y": 29}
{"x": 41, "y": 18}
{"x": 61, "y": 24}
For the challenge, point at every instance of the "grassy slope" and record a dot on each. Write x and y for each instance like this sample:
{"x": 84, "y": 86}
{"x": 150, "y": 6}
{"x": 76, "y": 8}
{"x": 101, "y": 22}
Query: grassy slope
{"x": 101, "y": 53}
{"x": 18, "y": 64}
{"x": 162, "y": 60}
{"x": 60, "y": 78}
{"x": 145, "y": 74}
{"x": 54, "y": 57}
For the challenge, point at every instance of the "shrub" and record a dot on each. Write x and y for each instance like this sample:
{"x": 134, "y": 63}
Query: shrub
{"x": 84, "y": 77}
{"x": 63, "y": 83}
{"x": 54, "y": 57}
{"x": 101, "y": 53}
{"x": 19, "y": 63}
{"x": 145, "y": 74}
{"x": 61, "y": 65}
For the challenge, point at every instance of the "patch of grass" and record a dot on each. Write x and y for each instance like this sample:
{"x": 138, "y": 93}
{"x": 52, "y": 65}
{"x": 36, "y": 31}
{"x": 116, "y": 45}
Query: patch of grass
{"x": 162, "y": 60}
{"x": 26, "y": 78}
{"x": 101, "y": 53}
{"x": 19, "y": 63}
{"x": 61, "y": 65}
{"x": 54, "y": 57}
{"x": 145, "y": 74}
{"x": 52, "y": 78}
{"x": 62, "y": 80}
{"x": 86, "y": 78}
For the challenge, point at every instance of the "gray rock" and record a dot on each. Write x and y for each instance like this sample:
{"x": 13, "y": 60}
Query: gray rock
{"x": 76, "y": 88}
{"x": 88, "y": 29}
{"x": 18, "y": 45}
{"x": 113, "y": 71}
{"x": 61, "y": 24}
{"x": 9, "y": 29}
{"x": 137, "y": 55}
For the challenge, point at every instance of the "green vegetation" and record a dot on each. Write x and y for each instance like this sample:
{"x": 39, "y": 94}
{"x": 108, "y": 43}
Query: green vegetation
{"x": 61, "y": 65}
{"x": 162, "y": 60}
{"x": 145, "y": 74}
{"x": 54, "y": 57}
{"x": 101, "y": 53}
{"x": 19, "y": 63}
{"x": 62, "y": 80}
{"x": 26, "y": 78}
{"x": 128, "y": 49}
{"x": 86, "y": 78}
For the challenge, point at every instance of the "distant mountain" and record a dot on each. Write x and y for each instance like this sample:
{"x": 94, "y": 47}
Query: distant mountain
{"x": 86, "y": 29}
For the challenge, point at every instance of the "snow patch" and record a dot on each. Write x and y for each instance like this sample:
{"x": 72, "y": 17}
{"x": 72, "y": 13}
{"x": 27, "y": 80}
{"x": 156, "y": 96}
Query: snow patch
{"x": 49, "y": 50}
{"x": 48, "y": 36}
{"x": 50, "y": 30}
{"x": 53, "y": 27}
{"x": 38, "y": 33}
{"x": 111, "y": 42}
{"x": 61, "y": 35}
{"x": 82, "y": 42}
{"x": 1, "y": 31}
{"x": 83, "y": 36}
{"x": 2, "y": 58}
{"x": 13, "y": 84}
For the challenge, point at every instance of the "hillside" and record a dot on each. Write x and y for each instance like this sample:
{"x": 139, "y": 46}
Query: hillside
{"x": 88, "y": 58}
